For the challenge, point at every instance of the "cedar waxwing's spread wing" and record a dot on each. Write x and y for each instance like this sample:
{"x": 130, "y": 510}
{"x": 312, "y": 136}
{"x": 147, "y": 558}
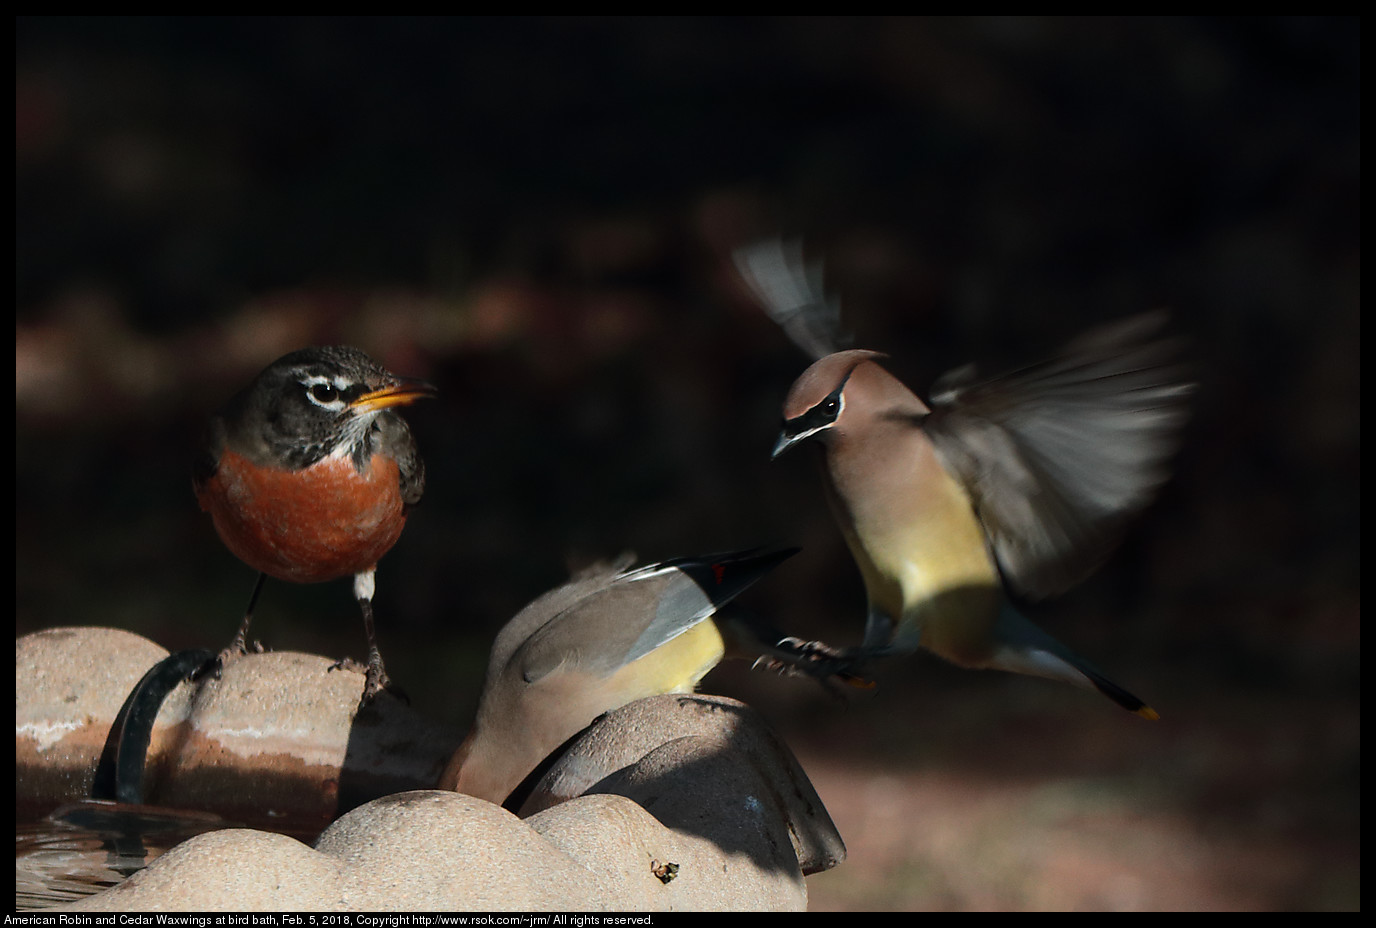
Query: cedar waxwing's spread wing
{"x": 791, "y": 293}
{"x": 1058, "y": 455}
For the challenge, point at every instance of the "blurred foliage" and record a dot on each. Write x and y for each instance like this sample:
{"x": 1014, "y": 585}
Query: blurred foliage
{"x": 537, "y": 215}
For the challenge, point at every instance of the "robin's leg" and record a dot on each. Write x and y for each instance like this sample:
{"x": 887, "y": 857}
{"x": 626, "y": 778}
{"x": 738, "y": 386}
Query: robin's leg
{"x": 240, "y": 643}
{"x": 239, "y": 646}
{"x": 376, "y": 674}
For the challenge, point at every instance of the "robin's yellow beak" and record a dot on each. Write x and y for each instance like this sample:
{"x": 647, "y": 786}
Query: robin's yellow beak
{"x": 402, "y": 393}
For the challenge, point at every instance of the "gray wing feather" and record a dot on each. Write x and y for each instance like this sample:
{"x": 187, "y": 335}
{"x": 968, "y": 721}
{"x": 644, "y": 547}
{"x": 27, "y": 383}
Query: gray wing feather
{"x": 545, "y": 609}
{"x": 791, "y": 292}
{"x": 624, "y": 621}
{"x": 1058, "y": 455}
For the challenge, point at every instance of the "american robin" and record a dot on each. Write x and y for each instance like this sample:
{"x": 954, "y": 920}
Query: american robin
{"x": 309, "y": 474}
{"x": 1026, "y": 479}
{"x": 608, "y": 637}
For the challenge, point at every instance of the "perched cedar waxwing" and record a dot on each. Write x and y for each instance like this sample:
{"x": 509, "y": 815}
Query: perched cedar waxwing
{"x": 606, "y": 638}
{"x": 1031, "y": 475}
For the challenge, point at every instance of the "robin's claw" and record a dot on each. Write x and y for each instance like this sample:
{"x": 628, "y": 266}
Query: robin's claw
{"x": 375, "y": 680}
{"x": 215, "y": 667}
{"x": 210, "y": 668}
{"x": 349, "y": 664}
{"x": 380, "y": 683}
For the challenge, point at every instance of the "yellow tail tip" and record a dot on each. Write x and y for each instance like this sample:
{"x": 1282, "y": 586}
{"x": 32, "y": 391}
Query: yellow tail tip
{"x": 1148, "y": 713}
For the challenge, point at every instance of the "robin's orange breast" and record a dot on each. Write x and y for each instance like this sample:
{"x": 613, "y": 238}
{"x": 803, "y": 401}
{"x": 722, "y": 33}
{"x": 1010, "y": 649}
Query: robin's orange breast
{"x": 306, "y": 526}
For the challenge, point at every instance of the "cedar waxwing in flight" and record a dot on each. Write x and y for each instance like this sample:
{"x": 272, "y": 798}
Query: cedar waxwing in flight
{"x": 606, "y": 638}
{"x": 1029, "y": 477}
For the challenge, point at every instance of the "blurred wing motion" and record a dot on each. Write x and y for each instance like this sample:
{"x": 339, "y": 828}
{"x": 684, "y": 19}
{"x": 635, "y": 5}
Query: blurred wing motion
{"x": 791, "y": 293}
{"x": 1057, "y": 456}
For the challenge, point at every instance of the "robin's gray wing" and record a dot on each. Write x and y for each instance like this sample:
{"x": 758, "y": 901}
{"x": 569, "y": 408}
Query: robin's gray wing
{"x": 396, "y": 441}
{"x": 1058, "y": 455}
{"x": 207, "y": 459}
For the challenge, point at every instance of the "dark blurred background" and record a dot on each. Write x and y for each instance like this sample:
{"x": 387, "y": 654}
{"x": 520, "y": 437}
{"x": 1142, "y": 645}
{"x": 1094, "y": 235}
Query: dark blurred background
{"x": 537, "y": 215}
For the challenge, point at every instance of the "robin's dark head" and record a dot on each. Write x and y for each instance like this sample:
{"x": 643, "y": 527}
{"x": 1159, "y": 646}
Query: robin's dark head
{"x": 313, "y": 403}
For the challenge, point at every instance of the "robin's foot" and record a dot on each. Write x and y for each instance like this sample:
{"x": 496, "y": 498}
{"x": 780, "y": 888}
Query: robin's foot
{"x": 375, "y": 679}
{"x": 349, "y": 664}
{"x": 214, "y": 667}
